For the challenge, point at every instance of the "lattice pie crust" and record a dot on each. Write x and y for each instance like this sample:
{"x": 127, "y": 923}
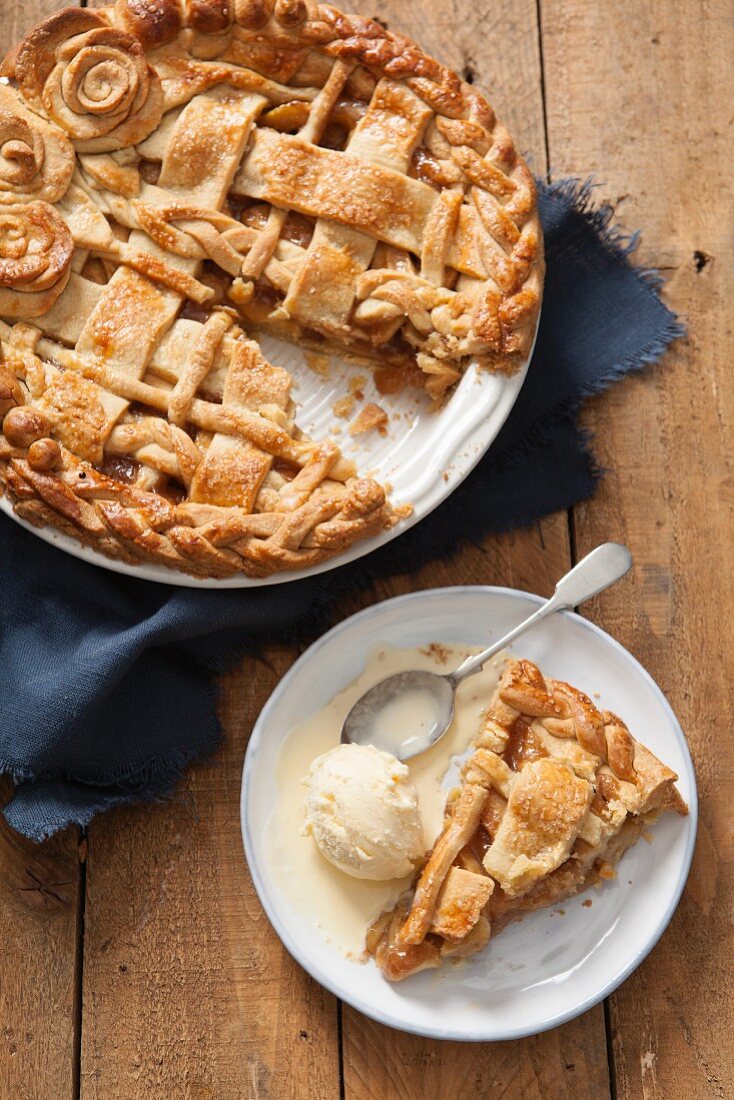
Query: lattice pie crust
{"x": 553, "y": 795}
{"x": 175, "y": 175}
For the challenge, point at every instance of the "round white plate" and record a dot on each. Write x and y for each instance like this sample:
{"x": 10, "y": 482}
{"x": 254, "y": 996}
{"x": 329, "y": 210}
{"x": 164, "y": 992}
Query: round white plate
{"x": 549, "y": 967}
{"x": 423, "y": 456}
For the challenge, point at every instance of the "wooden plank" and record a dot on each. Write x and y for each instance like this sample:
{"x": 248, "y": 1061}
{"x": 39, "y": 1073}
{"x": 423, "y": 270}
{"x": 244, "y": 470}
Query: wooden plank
{"x": 641, "y": 95}
{"x": 40, "y": 901}
{"x": 187, "y": 990}
{"x": 177, "y": 948}
{"x": 496, "y": 47}
{"x": 559, "y": 1063}
{"x": 570, "y": 1061}
{"x": 40, "y": 896}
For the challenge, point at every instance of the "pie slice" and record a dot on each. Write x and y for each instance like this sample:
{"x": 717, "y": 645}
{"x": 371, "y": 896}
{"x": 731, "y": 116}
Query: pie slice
{"x": 553, "y": 795}
{"x": 176, "y": 175}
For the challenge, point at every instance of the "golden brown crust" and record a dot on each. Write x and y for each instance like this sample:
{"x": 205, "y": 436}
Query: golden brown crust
{"x": 36, "y": 159}
{"x": 209, "y": 16}
{"x": 313, "y": 517}
{"x": 553, "y": 795}
{"x": 506, "y": 322}
{"x": 421, "y": 248}
{"x": 504, "y": 318}
{"x": 90, "y": 79}
{"x": 36, "y": 248}
{"x": 153, "y": 22}
{"x": 121, "y": 525}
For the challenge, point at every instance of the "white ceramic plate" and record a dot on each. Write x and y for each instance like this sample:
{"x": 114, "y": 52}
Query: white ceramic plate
{"x": 549, "y": 967}
{"x": 423, "y": 456}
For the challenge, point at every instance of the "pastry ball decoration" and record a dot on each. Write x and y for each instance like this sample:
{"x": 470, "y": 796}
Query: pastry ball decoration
{"x": 90, "y": 79}
{"x": 24, "y": 426}
{"x": 35, "y": 258}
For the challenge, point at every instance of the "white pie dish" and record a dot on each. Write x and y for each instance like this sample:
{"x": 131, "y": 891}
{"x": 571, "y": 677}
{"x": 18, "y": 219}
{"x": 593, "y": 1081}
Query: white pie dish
{"x": 423, "y": 457}
{"x": 548, "y": 968}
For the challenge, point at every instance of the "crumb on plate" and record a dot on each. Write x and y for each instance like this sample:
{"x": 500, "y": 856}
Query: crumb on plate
{"x": 371, "y": 416}
{"x": 319, "y": 364}
{"x": 343, "y": 406}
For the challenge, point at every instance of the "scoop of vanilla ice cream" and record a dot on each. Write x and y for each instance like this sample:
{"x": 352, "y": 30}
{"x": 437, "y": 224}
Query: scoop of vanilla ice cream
{"x": 362, "y": 811}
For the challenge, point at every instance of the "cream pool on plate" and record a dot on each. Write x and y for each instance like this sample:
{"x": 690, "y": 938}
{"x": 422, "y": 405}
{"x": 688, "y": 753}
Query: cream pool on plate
{"x": 338, "y": 904}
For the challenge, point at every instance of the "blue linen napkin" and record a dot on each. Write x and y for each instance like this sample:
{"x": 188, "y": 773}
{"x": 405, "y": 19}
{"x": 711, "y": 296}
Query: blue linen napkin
{"x": 107, "y": 688}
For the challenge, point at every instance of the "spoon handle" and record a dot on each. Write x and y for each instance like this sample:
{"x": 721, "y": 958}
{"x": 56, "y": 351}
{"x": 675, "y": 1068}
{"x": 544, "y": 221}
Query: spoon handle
{"x": 600, "y": 568}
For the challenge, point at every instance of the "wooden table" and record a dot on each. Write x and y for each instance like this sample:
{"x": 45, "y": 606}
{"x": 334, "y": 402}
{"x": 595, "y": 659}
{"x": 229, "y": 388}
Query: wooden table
{"x": 136, "y": 960}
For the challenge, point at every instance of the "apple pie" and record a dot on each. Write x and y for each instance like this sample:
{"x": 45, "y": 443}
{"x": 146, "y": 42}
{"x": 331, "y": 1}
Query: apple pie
{"x": 552, "y": 796}
{"x": 176, "y": 176}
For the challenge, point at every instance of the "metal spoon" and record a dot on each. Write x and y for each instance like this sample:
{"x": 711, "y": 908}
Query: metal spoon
{"x": 598, "y": 570}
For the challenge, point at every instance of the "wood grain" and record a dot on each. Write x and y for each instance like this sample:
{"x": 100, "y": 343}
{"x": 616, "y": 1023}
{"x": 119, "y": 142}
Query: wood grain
{"x": 40, "y": 895}
{"x": 39, "y": 905}
{"x": 560, "y": 1063}
{"x": 187, "y": 991}
{"x": 641, "y": 95}
{"x": 496, "y": 47}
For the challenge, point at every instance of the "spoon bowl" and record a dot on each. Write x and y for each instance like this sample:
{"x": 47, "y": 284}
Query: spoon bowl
{"x": 404, "y": 714}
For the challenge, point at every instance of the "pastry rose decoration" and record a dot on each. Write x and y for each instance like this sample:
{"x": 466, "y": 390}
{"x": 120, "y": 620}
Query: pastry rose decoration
{"x": 36, "y": 248}
{"x": 90, "y": 79}
{"x": 36, "y": 160}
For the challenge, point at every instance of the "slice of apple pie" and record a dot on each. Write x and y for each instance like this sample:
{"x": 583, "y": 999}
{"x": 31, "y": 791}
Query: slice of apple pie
{"x": 553, "y": 795}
